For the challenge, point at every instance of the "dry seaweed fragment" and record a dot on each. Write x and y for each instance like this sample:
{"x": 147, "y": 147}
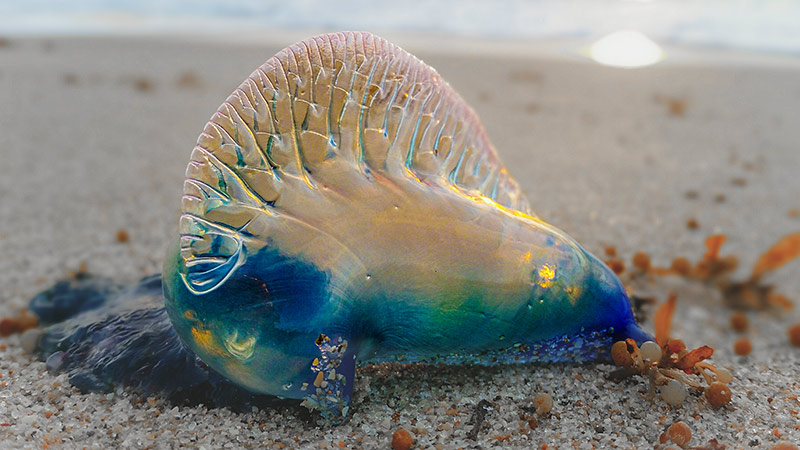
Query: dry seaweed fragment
{"x": 713, "y": 266}
{"x": 675, "y": 346}
{"x": 785, "y": 250}
{"x": 749, "y": 294}
{"x": 713, "y": 245}
{"x": 12, "y": 325}
{"x": 667, "y": 360}
{"x": 780, "y": 300}
{"x": 755, "y": 294}
{"x": 688, "y": 361}
{"x": 662, "y": 321}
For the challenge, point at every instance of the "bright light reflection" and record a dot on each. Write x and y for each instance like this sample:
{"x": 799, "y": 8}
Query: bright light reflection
{"x": 626, "y": 48}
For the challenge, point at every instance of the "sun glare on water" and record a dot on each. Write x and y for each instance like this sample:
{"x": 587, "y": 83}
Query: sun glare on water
{"x": 626, "y": 48}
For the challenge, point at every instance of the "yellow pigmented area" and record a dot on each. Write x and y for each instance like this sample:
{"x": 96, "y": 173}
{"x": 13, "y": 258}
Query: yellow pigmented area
{"x": 546, "y": 275}
{"x": 205, "y": 340}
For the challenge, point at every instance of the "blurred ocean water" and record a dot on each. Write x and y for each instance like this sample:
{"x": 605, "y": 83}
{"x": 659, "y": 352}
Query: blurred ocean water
{"x": 760, "y": 25}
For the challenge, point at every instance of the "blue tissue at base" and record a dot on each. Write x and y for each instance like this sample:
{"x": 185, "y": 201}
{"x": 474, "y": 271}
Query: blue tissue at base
{"x": 105, "y": 335}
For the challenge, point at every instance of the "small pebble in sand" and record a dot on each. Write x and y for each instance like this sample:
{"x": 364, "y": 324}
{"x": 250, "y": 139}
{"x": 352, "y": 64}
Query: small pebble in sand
{"x": 70, "y": 79}
{"x": 676, "y": 106}
{"x": 616, "y": 265}
{"x": 674, "y": 393}
{"x": 188, "y": 80}
{"x": 794, "y": 334}
{"x": 122, "y": 236}
{"x": 692, "y": 224}
{"x": 718, "y": 394}
{"x": 29, "y": 340}
{"x": 543, "y": 403}
{"x": 739, "y": 322}
{"x": 526, "y": 76}
{"x": 611, "y": 251}
{"x": 793, "y": 213}
{"x": 742, "y": 347}
{"x": 532, "y": 108}
{"x": 402, "y": 440}
{"x": 143, "y": 84}
{"x": 641, "y": 261}
{"x": 679, "y": 433}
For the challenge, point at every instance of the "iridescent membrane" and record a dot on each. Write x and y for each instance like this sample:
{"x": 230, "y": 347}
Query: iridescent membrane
{"x": 345, "y": 206}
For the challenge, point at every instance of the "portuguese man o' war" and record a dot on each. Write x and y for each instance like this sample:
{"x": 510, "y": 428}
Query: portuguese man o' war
{"x": 343, "y": 206}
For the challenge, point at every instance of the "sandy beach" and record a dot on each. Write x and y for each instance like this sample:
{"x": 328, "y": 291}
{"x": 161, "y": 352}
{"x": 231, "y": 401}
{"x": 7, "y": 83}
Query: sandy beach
{"x": 97, "y": 132}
